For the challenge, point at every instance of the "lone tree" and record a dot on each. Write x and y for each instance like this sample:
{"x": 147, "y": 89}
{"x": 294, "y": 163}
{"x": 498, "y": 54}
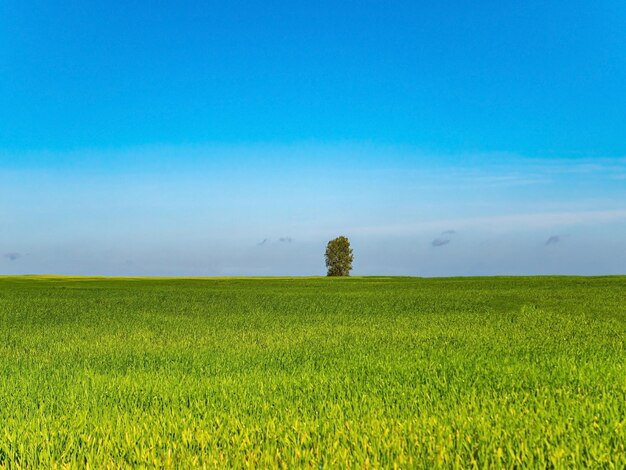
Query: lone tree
{"x": 339, "y": 257}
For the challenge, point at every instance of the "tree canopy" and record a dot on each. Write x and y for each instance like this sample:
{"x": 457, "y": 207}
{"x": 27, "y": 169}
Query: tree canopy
{"x": 339, "y": 257}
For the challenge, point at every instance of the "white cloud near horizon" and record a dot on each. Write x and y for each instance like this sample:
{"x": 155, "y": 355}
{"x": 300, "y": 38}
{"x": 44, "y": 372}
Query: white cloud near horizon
{"x": 204, "y": 210}
{"x": 499, "y": 223}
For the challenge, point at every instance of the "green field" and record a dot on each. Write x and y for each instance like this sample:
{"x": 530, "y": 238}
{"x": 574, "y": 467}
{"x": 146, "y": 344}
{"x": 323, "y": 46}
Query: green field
{"x": 359, "y": 372}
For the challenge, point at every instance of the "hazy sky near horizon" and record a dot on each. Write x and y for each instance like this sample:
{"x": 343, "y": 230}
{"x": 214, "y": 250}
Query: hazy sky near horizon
{"x": 236, "y": 138}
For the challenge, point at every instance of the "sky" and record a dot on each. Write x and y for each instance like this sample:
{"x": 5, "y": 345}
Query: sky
{"x": 237, "y": 138}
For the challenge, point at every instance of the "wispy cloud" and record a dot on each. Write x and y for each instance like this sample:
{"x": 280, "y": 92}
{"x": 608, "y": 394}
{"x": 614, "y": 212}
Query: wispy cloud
{"x": 444, "y": 239}
{"x": 499, "y": 222}
{"x": 553, "y": 240}
{"x": 266, "y": 241}
{"x": 509, "y": 170}
{"x": 586, "y": 166}
{"x": 437, "y": 242}
{"x": 12, "y": 256}
{"x": 505, "y": 180}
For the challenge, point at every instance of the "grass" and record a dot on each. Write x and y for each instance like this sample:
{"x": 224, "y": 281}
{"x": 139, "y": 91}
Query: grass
{"x": 360, "y": 372}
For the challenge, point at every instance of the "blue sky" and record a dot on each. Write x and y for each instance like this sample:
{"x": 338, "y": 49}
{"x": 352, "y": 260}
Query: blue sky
{"x": 235, "y": 138}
